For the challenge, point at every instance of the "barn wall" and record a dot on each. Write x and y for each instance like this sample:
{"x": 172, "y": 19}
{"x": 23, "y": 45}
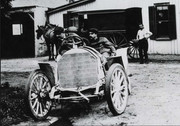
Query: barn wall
{"x": 162, "y": 47}
{"x": 23, "y": 43}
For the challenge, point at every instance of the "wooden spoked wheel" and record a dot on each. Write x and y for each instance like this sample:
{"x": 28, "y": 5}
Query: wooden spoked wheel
{"x": 37, "y": 95}
{"x": 118, "y": 39}
{"x": 133, "y": 50}
{"x": 116, "y": 89}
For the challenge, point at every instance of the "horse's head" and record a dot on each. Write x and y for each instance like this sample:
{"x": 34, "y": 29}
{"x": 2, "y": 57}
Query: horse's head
{"x": 40, "y": 31}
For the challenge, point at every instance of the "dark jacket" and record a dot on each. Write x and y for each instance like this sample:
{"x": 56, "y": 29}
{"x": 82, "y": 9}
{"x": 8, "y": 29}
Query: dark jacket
{"x": 102, "y": 45}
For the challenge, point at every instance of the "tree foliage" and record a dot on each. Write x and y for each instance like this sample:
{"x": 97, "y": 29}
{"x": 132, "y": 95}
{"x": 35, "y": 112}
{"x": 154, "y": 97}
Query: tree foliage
{"x": 5, "y": 6}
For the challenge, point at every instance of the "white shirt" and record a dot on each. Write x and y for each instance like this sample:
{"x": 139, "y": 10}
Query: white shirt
{"x": 143, "y": 34}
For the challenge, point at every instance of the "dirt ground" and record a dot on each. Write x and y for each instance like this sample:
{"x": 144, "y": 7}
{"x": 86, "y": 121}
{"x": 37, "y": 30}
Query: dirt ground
{"x": 155, "y": 98}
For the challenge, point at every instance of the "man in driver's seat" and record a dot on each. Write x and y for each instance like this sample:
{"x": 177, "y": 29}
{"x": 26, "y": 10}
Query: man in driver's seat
{"x": 101, "y": 44}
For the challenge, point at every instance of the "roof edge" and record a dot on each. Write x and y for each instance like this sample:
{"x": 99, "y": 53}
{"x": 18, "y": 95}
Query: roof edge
{"x": 68, "y": 6}
{"x": 24, "y": 7}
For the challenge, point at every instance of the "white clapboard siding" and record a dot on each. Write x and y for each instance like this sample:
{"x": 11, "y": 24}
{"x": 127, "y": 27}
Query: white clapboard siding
{"x": 161, "y": 47}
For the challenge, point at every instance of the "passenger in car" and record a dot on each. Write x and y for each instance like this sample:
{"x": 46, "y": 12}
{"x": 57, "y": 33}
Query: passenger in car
{"x": 70, "y": 35}
{"x": 71, "y": 40}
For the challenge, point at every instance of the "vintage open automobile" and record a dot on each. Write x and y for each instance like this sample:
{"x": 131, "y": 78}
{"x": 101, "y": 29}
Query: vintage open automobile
{"x": 79, "y": 76}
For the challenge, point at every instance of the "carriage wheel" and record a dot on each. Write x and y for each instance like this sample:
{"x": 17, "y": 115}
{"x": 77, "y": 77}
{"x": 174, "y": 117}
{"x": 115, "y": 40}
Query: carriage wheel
{"x": 116, "y": 89}
{"x": 119, "y": 40}
{"x": 133, "y": 51}
{"x": 37, "y": 95}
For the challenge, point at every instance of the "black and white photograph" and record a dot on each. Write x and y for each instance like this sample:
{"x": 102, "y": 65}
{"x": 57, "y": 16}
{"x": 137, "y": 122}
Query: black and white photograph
{"x": 90, "y": 62}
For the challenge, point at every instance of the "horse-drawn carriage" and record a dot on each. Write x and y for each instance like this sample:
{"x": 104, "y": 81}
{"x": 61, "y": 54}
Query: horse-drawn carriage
{"x": 79, "y": 76}
{"x": 118, "y": 38}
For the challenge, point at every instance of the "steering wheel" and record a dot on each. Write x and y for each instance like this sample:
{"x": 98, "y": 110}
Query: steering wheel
{"x": 74, "y": 40}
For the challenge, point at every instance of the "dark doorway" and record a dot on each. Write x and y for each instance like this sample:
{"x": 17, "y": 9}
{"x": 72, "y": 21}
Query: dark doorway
{"x": 133, "y": 19}
{"x": 123, "y": 21}
{"x": 20, "y": 41}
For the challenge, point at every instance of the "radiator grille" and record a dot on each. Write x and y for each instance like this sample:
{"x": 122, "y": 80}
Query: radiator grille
{"x": 77, "y": 68}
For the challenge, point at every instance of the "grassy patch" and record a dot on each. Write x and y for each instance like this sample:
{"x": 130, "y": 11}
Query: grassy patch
{"x": 12, "y": 105}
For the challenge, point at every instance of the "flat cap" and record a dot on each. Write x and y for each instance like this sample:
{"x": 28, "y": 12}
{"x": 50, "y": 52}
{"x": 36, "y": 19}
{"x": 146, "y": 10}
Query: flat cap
{"x": 94, "y": 30}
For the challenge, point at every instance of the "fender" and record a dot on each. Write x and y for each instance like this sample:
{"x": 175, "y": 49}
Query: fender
{"x": 47, "y": 68}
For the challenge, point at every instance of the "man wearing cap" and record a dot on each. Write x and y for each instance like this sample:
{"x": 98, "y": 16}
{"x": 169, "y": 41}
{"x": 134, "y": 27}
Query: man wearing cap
{"x": 101, "y": 44}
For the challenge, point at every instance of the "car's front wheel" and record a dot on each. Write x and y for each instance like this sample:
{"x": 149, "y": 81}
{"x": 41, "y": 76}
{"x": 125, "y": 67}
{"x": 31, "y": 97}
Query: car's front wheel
{"x": 116, "y": 89}
{"x": 37, "y": 95}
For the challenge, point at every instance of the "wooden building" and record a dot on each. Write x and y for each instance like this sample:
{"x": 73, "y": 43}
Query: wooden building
{"x": 19, "y": 36}
{"x": 161, "y": 17}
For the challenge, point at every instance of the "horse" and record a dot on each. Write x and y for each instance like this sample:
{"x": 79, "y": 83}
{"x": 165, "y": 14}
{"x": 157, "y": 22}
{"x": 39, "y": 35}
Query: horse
{"x": 53, "y": 37}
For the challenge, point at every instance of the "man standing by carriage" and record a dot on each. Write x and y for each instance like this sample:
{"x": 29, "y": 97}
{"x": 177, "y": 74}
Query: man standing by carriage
{"x": 142, "y": 37}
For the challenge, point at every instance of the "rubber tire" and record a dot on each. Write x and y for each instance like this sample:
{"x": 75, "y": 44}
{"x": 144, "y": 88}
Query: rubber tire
{"x": 29, "y": 108}
{"x": 114, "y": 67}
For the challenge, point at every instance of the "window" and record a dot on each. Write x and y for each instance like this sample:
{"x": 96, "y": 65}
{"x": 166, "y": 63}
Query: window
{"x": 70, "y": 19}
{"x": 17, "y": 29}
{"x": 74, "y": 21}
{"x": 162, "y": 21}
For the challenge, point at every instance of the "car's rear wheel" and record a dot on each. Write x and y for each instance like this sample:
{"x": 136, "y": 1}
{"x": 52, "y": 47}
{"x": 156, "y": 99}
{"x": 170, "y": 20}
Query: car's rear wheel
{"x": 116, "y": 89}
{"x": 37, "y": 95}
